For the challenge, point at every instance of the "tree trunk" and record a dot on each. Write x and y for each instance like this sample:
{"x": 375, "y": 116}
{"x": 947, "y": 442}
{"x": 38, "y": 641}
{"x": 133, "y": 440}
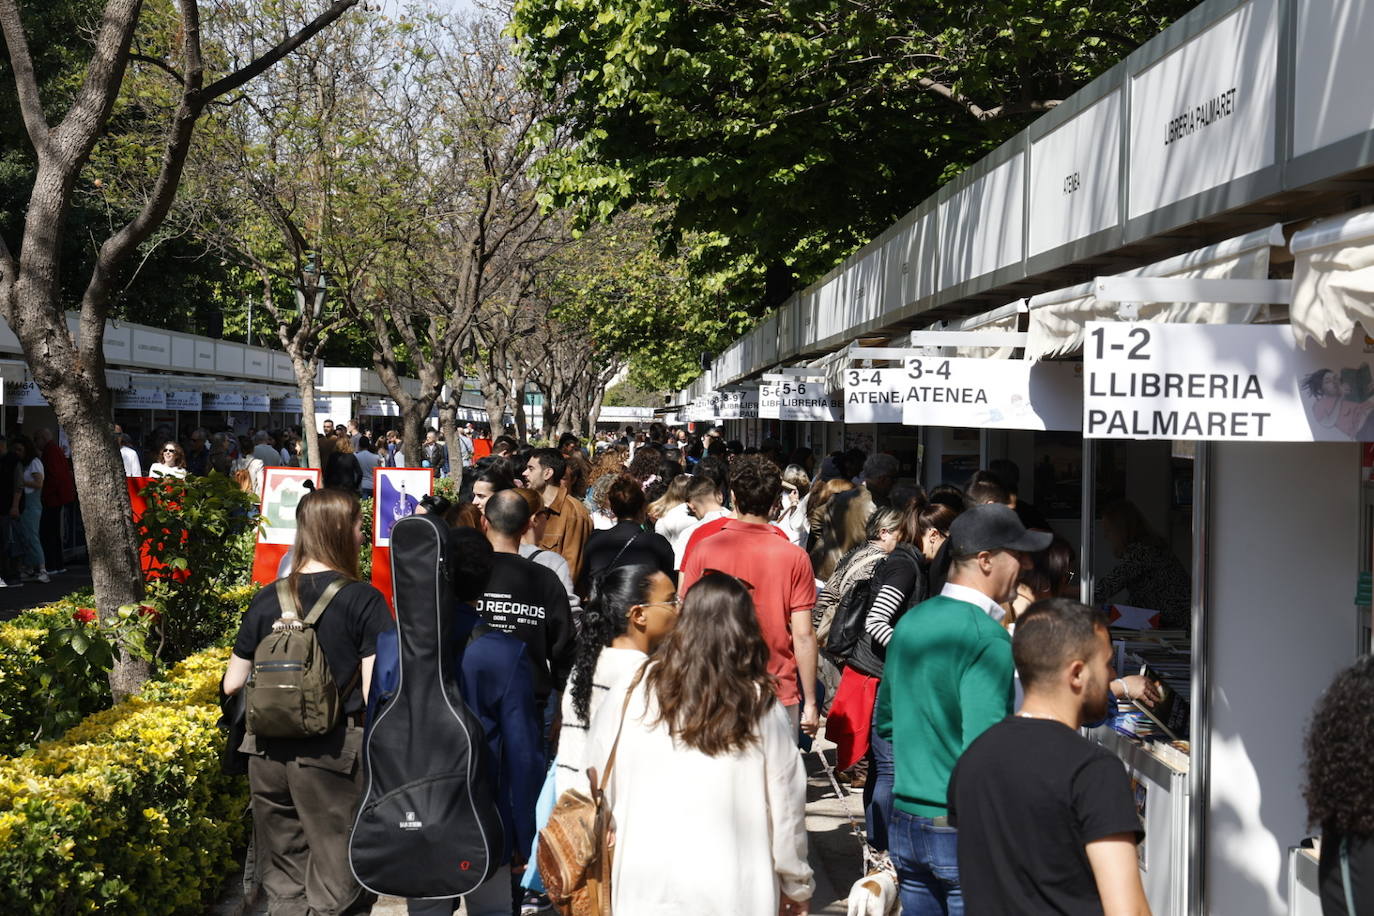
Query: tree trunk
{"x": 111, "y": 538}
{"x": 448, "y": 428}
{"x": 594, "y": 411}
{"x": 413, "y": 432}
{"x": 305, "y": 385}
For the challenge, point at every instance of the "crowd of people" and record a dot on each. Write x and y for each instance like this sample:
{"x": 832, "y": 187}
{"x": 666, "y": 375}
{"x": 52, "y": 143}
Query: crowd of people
{"x": 703, "y": 607}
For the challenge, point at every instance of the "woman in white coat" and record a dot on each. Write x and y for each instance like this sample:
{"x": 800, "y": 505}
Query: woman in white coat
{"x": 708, "y": 791}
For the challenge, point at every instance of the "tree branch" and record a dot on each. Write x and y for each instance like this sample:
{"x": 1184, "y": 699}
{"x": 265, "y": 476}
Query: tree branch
{"x": 26, "y": 82}
{"x": 985, "y": 114}
{"x": 161, "y": 65}
{"x": 260, "y": 65}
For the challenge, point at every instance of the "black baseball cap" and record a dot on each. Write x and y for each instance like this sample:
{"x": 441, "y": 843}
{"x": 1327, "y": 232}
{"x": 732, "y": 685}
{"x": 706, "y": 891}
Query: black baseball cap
{"x": 993, "y": 527}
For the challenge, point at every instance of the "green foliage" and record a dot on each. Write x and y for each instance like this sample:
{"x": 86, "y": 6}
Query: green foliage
{"x": 42, "y": 693}
{"x": 192, "y": 530}
{"x": 365, "y": 551}
{"x": 129, "y": 812}
{"x": 790, "y": 133}
{"x": 642, "y": 306}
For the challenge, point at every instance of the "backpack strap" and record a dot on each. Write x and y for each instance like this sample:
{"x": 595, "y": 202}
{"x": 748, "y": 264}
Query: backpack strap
{"x": 1346, "y": 883}
{"x": 289, "y": 608}
{"x": 536, "y": 553}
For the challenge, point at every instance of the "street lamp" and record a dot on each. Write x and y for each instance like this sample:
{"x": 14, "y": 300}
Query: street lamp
{"x": 312, "y": 266}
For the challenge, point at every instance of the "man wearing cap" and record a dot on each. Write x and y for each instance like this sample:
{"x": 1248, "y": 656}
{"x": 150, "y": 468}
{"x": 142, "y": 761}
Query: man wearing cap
{"x": 947, "y": 678}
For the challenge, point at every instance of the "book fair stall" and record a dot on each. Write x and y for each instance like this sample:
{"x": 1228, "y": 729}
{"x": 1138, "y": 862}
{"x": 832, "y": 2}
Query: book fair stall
{"x": 1155, "y": 296}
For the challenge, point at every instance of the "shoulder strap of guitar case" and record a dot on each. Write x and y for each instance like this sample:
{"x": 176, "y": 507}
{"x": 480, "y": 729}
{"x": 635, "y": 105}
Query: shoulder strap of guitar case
{"x": 427, "y": 825}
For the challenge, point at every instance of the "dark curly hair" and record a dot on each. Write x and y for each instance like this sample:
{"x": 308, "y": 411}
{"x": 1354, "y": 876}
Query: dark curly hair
{"x": 605, "y": 616}
{"x": 1340, "y": 754}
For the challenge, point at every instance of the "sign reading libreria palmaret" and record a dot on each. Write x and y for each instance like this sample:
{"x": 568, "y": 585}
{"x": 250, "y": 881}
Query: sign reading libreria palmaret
{"x": 1224, "y": 382}
{"x": 799, "y": 400}
{"x": 973, "y": 393}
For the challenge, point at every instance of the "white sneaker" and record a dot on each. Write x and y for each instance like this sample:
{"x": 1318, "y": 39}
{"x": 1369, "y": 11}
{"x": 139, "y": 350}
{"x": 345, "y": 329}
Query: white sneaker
{"x": 42, "y": 576}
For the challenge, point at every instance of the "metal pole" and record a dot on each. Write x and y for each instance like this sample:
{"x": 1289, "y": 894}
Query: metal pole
{"x": 250, "y": 321}
{"x": 1088, "y": 482}
{"x": 1199, "y": 728}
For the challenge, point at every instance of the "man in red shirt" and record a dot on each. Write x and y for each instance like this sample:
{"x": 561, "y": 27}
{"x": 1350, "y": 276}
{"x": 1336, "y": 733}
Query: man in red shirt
{"x": 779, "y": 577}
{"x": 59, "y": 491}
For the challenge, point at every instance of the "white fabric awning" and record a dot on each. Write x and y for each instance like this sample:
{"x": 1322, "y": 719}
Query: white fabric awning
{"x": 1004, "y": 319}
{"x": 1057, "y": 318}
{"x": 1333, "y": 278}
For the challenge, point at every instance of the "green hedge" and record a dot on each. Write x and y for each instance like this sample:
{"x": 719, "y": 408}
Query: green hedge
{"x": 128, "y": 812}
{"x": 26, "y": 681}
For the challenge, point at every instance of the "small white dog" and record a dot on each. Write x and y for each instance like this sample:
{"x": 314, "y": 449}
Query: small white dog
{"x": 875, "y": 894}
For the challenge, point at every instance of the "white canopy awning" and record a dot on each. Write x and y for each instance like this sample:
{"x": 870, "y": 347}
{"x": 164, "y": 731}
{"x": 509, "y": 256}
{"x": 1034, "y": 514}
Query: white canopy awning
{"x": 1057, "y": 318}
{"x": 1333, "y": 278}
{"x": 1004, "y": 319}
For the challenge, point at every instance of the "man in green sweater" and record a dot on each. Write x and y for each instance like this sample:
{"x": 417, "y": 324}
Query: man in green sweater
{"x": 947, "y": 678}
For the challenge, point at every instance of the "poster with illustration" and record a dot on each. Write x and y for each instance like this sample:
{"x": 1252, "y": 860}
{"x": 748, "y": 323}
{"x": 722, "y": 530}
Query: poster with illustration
{"x": 397, "y": 493}
{"x": 282, "y": 490}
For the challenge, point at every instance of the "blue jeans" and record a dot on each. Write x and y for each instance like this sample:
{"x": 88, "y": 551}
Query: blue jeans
{"x": 927, "y": 861}
{"x": 878, "y": 789}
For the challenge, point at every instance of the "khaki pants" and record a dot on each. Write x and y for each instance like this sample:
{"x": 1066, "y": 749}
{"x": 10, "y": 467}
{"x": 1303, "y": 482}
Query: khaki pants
{"x": 303, "y": 810}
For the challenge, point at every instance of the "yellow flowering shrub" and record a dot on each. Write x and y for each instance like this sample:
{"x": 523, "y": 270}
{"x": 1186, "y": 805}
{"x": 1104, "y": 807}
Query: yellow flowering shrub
{"x": 128, "y": 812}
{"x": 26, "y": 683}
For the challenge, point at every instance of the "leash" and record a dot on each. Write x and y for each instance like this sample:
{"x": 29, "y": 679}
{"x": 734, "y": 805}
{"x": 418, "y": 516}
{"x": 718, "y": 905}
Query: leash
{"x": 872, "y": 861}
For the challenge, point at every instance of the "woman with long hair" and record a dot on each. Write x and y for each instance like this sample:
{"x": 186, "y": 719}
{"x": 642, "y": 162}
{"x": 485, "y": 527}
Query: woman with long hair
{"x": 171, "y": 461}
{"x": 670, "y": 513}
{"x": 304, "y": 790}
{"x": 1340, "y": 790}
{"x": 630, "y": 610}
{"x": 708, "y": 792}
{"x": 27, "y": 509}
{"x": 341, "y": 468}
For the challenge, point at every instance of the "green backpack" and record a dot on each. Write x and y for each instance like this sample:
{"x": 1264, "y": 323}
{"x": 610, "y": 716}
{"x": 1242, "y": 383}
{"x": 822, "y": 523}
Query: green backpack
{"x": 291, "y": 692}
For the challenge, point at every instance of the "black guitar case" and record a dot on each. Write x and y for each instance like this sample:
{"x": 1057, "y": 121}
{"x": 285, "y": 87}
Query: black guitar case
{"x": 427, "y": 824}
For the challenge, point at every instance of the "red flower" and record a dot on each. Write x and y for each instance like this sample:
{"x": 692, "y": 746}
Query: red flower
{"x": 147, "y": 610}
{"x": 84, "y": 615}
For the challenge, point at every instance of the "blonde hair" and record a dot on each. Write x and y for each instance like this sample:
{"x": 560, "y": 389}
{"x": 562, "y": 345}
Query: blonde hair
{"x": 674, "y": 496}
{"x": 324, "y": 533}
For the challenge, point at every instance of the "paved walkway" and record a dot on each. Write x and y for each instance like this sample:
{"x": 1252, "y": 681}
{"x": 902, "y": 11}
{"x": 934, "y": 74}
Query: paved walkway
{"x": 835, "y": 854}
{"x": 17, "y": 598}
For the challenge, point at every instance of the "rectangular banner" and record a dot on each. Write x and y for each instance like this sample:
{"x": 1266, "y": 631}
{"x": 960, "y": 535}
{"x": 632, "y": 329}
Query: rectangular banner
{"x": 739, "y": 404}
{"x": 140, "y": 399}
{"x": 287, "y": 404}
{"x": 800, "y": 400}
{"x": 990, "y": 393}
{"x": 397, "y": 494}
{"x": 215, "y": 400}
{"x": 183, "y": 400}
{"x": 24, "y": 394}
{"x": 282, "y": 490}
{"x": 257, "y": 403}
{"x": 874, "y": 395}
{"x": 1224, "y": 383}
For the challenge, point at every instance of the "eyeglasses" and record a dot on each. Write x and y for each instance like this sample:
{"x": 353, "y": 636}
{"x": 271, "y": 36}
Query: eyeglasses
{"x": 674, "y": 602}
{"x": 169, "y": 451}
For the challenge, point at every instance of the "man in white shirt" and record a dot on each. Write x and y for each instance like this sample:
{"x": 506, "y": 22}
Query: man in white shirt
{"x": 704, "y": 499}
{"x": 132, "y": 466}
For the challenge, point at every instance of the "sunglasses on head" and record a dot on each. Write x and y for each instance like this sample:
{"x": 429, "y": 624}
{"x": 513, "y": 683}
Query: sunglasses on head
{"x": 720, "y": 572}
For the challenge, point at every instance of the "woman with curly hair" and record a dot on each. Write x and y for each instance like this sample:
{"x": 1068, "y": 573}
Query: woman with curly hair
{"x": 628, "y": 613}
{"x": 1340, "y": 790}
{"x": 708, "y": 793}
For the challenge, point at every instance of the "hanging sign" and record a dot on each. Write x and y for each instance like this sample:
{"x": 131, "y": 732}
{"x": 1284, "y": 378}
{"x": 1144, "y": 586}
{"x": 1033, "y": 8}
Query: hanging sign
{"x": 183, "y": 400}
{"x": 800, "y": 400}
{"x": 874, "y": 395}
{"x": 24, "y": 394}
{"x": 378, "y": 407}
{"x": 140, "y": 399}
{"x": 770, "y": 400}
{"x": 287, "y": 404}
{"x": 1224, "y": 382}
{"x": 398, "y": 492}
{"x": 217, "y": 400}
{"x": 991, "y": 393}
{"x": 257, "y": 403}
{"x": 739, "y": 404}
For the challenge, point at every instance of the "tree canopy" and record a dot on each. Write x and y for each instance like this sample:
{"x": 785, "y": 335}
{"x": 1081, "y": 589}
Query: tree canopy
{"x": 792, "y": 132}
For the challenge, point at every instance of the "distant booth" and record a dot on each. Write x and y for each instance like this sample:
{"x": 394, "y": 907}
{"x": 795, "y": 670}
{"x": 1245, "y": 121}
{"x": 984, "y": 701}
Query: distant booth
{"x": 617, "y": 418}
{"x": 1158, "y": 295}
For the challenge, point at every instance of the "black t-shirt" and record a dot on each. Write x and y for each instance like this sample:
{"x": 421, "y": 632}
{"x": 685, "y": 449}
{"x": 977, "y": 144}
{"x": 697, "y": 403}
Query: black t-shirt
{"x": 604, "y": 550}
{"x": 347, "y": 631}
{"x": 1332, "y": 885}
{"x": 527, "y": 601}
{"x": 1027, "y": 796}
